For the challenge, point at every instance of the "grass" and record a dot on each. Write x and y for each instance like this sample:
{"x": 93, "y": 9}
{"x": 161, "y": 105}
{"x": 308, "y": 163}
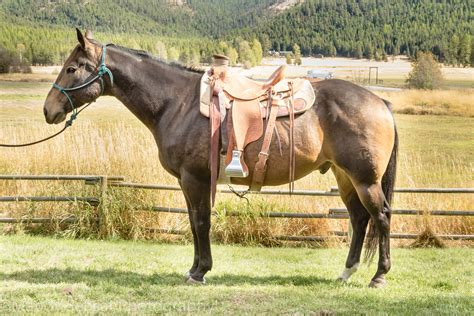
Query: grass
{"x": 51, "y": 276}
{"x": 400, "y": 82}
{"x": 435, "y": 151}
{"x": 436, "y": 102}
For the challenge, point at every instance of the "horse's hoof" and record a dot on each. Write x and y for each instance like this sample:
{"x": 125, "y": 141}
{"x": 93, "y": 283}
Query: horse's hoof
{"x": 378, "y": 283}
{"x": 193, "y": 281}
{"x": 186, "y": 276}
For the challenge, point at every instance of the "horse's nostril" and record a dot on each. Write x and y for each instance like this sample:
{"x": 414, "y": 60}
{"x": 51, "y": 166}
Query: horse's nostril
{"x": 45, "y": 112}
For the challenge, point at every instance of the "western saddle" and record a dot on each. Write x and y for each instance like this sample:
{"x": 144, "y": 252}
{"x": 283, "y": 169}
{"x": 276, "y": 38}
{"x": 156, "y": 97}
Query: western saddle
{"x": 245, "y": 104}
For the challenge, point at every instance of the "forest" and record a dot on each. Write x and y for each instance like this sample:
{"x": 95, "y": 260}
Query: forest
{"x": 42, "y": 32}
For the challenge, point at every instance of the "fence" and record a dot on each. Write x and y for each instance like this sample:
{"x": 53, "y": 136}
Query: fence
{"x": 104, "y": 182}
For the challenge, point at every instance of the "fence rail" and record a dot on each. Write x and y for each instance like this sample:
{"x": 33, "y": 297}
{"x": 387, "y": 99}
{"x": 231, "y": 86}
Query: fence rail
{"x": 332, "y": 192}
{"x": 104, "y": 182}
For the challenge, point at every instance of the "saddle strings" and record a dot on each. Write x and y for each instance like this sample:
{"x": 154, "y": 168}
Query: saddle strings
{"x": 292, "y": 139}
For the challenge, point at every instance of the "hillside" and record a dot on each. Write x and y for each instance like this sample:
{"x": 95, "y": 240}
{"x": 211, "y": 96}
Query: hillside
{"x": 355, "y": 28}
{"x": 371, "y": 28}
{"x": 207, "y": 18}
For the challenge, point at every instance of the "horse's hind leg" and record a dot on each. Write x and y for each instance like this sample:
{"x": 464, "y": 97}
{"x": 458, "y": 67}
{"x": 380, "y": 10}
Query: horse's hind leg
{"x": 359, "y": 219}
{"x": 373, "y": 199}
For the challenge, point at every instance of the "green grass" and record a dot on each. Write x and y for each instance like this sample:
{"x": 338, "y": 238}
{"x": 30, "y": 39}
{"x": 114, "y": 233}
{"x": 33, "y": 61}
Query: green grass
{"x": 45, "y": 275}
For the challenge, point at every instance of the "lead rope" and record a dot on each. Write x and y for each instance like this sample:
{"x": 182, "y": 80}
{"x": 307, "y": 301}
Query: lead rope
{"x": 66, "y": 125}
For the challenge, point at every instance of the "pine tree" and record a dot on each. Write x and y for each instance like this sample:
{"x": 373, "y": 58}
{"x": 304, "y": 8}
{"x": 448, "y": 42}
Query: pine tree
{"x": 453, "y": 51}
{"x": 464, "y": 56}
{"x": 266, "y": 44}
{"x": 358, "y": 53}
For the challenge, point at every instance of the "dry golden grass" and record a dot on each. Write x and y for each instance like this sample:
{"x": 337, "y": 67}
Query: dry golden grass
{"x": 436, "y": 151}
{"x": 436, "y": 102}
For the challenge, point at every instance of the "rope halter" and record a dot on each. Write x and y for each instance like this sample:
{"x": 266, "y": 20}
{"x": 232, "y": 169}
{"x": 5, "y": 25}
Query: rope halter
{"x": 103, "y": 70}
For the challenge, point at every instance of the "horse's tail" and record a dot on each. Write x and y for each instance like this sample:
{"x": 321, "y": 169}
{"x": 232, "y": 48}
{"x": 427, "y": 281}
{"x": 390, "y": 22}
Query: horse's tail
{"x": 388, "y": 184}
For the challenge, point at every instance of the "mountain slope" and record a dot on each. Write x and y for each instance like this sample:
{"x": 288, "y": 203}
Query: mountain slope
{"x": 210, "y": 18}
{"x": 358, "y": 28}
{"x": 369, "y": 27}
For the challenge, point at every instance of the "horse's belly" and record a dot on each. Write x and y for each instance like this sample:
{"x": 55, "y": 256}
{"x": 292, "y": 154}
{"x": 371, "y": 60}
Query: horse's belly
{"x": 307, "y": 144}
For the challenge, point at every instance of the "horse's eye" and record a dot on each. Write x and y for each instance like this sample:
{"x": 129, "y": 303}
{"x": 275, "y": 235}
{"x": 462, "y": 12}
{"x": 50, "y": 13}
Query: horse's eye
{"x": 71, "y": 70}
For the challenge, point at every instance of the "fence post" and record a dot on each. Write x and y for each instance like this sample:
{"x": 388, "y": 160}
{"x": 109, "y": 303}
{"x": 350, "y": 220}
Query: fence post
{"x": 103, "y": 205}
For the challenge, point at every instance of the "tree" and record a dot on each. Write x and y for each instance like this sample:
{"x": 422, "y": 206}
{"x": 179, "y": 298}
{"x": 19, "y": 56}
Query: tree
{"x": 464, "y": 57}
{"x": 472, "y": 51}
{"x": 20, "y": 48}
{"x": 173, "y": 54}
{"x": 332, "y": 50}
{"x": 266, "y": 43}
{"x": 426, "y": 72}
{"x": 378, "y": 55}
{"x": 452, "y": 53}
{"x": 358, "y": 53}
{"x": 161, "y": 52}
{"x": 257, "y": 51}
{"x": 289, "y": 59}
{"x": 233, "y": 55}
{"x": 6, "y": 60}
{"x": 246, "y": 54}
{"x": 369, "y": 52}
{"x": 185, "y": 57}
{"x": 297, "y": 53}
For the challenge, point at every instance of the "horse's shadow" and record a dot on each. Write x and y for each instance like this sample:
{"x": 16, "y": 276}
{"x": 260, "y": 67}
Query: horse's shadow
{"x": 133, "y": 279}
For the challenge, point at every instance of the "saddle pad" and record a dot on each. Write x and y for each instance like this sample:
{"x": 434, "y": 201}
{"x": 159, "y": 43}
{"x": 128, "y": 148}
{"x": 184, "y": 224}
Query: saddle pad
{"x": 304, "y": 97}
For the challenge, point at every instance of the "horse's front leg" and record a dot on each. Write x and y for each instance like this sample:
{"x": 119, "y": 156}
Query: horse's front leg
{"x": 196, "y": 189}
{"x": 195, "y": 240}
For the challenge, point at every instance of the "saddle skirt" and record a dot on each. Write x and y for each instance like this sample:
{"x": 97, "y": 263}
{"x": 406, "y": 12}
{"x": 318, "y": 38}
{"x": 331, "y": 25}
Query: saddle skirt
{"x": 237, "y": 107}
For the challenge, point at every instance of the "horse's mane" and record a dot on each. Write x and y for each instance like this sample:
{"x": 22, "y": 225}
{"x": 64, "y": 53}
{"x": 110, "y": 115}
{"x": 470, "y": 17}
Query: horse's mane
{"x": 146, "y": 55}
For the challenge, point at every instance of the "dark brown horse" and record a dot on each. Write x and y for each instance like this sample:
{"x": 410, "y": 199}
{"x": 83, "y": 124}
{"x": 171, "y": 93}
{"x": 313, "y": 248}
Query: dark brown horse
{"x": 348, "y": 129}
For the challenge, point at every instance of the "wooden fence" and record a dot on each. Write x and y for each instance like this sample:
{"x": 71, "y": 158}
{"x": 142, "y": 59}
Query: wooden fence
{"x": 104, "y": 182}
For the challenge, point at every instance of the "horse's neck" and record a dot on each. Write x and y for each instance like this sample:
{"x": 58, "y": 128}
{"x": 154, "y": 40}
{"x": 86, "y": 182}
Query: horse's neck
{"x": 151, "y": 90}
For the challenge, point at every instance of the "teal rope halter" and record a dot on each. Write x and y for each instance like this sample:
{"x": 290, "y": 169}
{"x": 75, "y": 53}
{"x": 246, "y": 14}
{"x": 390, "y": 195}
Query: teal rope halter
{"x": 103, "y": 70}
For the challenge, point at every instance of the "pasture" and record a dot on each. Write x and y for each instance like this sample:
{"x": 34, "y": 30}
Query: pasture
{"x": 46, "y": 275}
{"x": 435, "y": 151}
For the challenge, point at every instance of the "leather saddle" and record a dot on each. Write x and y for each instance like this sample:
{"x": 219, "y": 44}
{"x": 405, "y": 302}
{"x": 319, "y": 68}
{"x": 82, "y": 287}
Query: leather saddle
{"x": 238, "y": 106}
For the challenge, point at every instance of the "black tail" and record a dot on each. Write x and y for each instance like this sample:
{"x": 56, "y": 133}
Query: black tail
{"x": 388, "y": 184}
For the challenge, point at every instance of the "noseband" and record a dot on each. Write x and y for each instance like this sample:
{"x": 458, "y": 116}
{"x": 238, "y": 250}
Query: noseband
{"x": 103, "y": 70}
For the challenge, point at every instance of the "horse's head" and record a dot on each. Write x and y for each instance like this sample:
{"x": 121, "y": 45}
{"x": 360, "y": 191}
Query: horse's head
{"x": 80, "y": 67}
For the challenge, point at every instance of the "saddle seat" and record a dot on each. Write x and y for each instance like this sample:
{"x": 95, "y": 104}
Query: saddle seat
{"x": 243, "y": 88}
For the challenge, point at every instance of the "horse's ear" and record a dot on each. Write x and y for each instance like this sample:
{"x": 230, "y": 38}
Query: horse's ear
{"x": 89, "y": 34}
{"x": 80, "y": 38}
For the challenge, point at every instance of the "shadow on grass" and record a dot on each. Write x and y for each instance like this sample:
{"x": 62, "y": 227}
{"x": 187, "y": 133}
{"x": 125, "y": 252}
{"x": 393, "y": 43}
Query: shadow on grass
{"x": 133, "y": 279}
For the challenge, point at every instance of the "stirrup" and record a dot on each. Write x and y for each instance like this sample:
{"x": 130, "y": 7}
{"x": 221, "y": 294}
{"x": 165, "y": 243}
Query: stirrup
{"x": 235, "y": 169}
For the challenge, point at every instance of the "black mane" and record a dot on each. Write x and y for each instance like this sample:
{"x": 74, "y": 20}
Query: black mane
{"x": 146, "y": 55}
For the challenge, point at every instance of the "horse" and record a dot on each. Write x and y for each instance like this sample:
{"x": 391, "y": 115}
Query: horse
{"x": 348, "y": 130}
